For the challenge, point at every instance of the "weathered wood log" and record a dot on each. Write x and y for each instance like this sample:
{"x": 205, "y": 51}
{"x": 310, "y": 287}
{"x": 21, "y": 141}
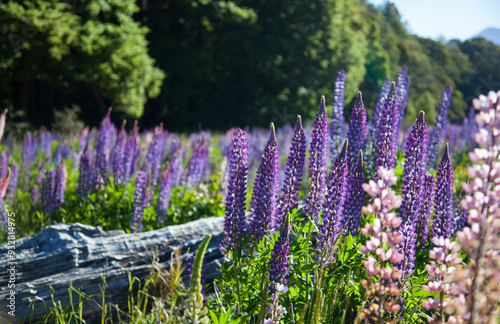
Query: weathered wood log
{"x": 47, "y": 262}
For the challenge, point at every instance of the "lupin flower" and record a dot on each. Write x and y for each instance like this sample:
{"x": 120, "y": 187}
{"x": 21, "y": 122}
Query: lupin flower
{"x": 279, "y": 268}
{"x": 266, "y": 190}
{"x": 402, "y": 87}
{"x": 357, "y": 131}
{"x": 476, "y": 285}
{"x": 375, "y": 123}
{"x": 129, "y": 157}
{"x": 3, "y": 117}
{"x": 337, "y": 121}
{"x": 118, "y": 154}
{"x": 414, "y": 171}
{"x": 386, "y": 136}
{"x": 139, "y": 202}
{"x": 155, "y": 153}
{"x": 199, "y": 161}
{"x": 166, "y": 184}
{"x": 102, "y": 149}
{"x": 4, "y": 219}
{"x": 48, "y": 189}
{"x": 412, "y": 192}
{"x": 28, "y": 157}
{"x": 352, "y": 209}
{"x": 4, "y": 164}
{"x": 424, "y": 220}
{"x": 85, "y": 176}
{"x": 293, "y": 173}
{"x": 332, "y": 218}
{"x": 442, "y": 225}
{"x": 34, "y": 195}
{"x": 317, "y": 163}
{"x": 441, "y": 274}
{"x": 12, "y": 188}
{"x": 381, "y": 287}
{"x": 60, "y": 188}
{"x": 437, "y": 130}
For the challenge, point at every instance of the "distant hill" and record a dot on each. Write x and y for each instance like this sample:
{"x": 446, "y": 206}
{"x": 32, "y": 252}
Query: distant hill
{"x": 491, "y": 34}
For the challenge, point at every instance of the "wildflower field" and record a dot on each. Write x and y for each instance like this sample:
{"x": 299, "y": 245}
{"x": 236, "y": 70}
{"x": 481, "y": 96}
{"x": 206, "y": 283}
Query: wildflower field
{"x": 345, "y": 220}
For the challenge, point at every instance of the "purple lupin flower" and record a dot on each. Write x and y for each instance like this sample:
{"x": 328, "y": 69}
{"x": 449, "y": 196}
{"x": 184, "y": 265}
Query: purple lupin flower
{"x": 386, "y": 136}
{"x": 443, "y": 207}
{"x": 12, "y": 188}
{"x": 28, "y": 156}
{"x": 155, "y": 153}
{"x": 102, "y": 148}
{"x": 164, "y": 194}
{"x": 280, "y": 259}
{"x": 317, "y": 164}
{"x": 414, "y": 171}
{"x": 378, "y": 114}
{"x": 4, "y": 219}
{"x": 4, "y": 164}
{"x": 265, "y": 192}
{"x": 293, "y": 173}
{"x": 357, "y": 131}
{"x": 437, "y": 130}
{"x": 199, "y": 162}
{"x": 337, "y": 121}
{"x": 62, "y": 176}
{"x": 412, "y": 193}
{"x": 128, "y": 162}
{"x": 402, "y": 87}
{"x": 85, "y": 174}
{"x": 460, "y": 217}
{"x": 234, "y": 221}
{"x": 424, "y": 220}
{"x": 333, "y": 207}
{"x": 352, "y": 210}
{"x": 139, "y": 202}
{"x": 118, "y": 154}
{"x": 48, "y": 189}
{"x": 34, "y": 195}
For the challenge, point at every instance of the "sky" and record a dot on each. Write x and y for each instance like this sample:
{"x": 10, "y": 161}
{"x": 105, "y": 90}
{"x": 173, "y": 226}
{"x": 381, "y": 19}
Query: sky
{"x": 460, "y": 19}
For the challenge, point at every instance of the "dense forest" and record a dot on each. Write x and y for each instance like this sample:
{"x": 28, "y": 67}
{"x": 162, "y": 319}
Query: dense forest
{"x": 217, "y": 64}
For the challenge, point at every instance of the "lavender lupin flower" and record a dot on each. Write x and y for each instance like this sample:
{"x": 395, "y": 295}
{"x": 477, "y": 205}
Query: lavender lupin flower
{"x": 293, "y": 173}
{"x": 118, "y": 154}
{"x": 4, "y": 164}
{"x": 352, "y": 210}
{"x": 437, "y": 130}
{"x": 234, "y": 221}
{"x": 280, "y": 263}
{"x": 139, "y": 202}
{"x": 28, "y": 156}
{"x": 129, "y": 156}
{"x": 155, "y": 153}
{"x": 84, "y": 176}
{"x": 333, "y": 207}
{"x": 266, "y": 190}
{"x": 386, "y": 136}
{"x": 164, "y": 194}
{"x": 12, "y": 188}
{"x": 4, "y": 219}
{"x": 317, "y": 164}
{"x": 60, "y": 188}
{"x": 443, "y": 208}
{"x": 412, "y": 192}
{"x": 357, "y": 131}
{"x": 34, "y": 195}
{"x": 48, "y": 189}
{"x": 102, "y": 148}
{"x": 414, "y": 171}
{"x": 337, "y": 121}
{"x": 375, "y": 123}
{"x": 424, "y": 220}
{"x": 402, "y": 87}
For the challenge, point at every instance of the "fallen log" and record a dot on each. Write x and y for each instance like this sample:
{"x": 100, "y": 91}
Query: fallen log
{"x": 47, "y": 262}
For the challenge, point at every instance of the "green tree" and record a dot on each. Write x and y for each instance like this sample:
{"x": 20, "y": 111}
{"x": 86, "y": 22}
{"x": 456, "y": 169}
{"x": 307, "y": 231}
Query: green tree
{"x": 60, "y": 45}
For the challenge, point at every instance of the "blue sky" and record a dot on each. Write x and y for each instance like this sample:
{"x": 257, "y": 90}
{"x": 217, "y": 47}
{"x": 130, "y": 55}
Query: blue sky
{"x": 460, "y": 19}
